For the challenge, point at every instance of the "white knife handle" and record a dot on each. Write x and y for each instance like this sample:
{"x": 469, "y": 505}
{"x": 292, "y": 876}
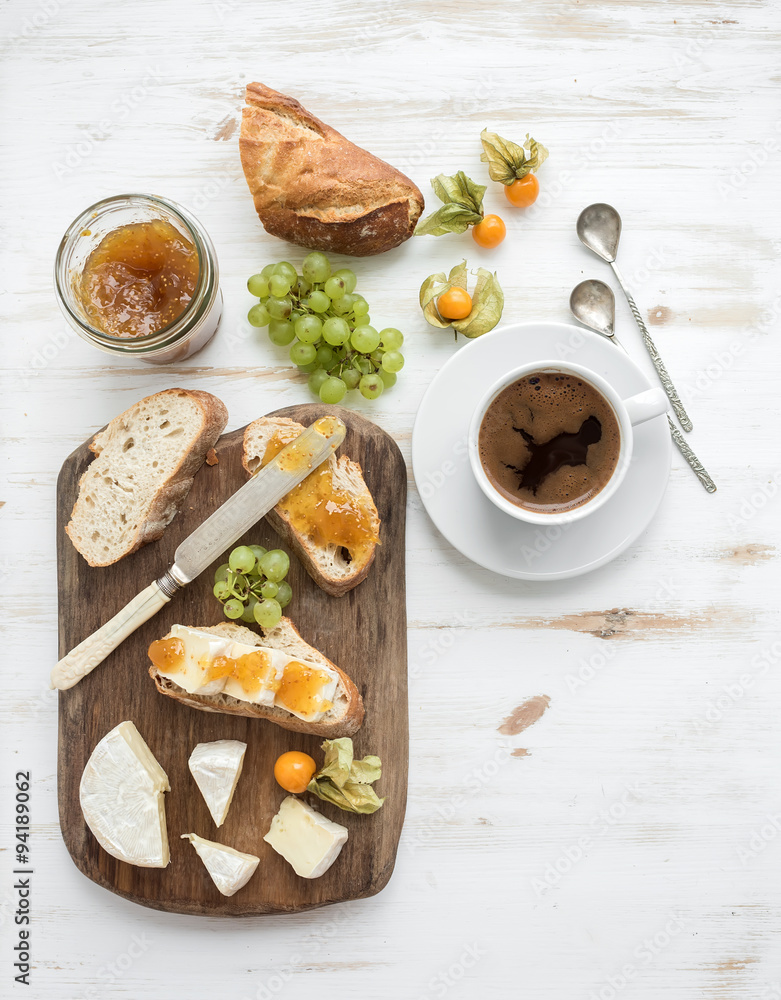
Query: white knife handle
{"x": 96, "y": 647}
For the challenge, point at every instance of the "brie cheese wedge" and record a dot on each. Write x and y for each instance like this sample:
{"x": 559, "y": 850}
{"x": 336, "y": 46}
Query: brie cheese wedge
{"x": 229, "y": 869}
{"x": 216, "y": 768}
{"x": 121, "y": 795}
{"x": 305, "y": 838}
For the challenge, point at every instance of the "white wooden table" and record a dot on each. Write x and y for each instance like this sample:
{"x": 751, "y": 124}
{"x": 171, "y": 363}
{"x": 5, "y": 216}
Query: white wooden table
{"x": 635, "y": 849}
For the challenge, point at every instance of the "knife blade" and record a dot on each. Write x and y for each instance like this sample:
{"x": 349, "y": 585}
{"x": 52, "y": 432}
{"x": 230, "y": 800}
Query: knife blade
{"x": 211, "y": 538}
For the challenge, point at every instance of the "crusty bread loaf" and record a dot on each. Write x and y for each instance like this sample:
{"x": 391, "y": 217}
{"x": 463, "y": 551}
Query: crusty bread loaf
{"x": 333, "y": 568}
{"x": 344, "y": 719}
{"x": 315, "y": 188}
{"x": 146, "y": 460}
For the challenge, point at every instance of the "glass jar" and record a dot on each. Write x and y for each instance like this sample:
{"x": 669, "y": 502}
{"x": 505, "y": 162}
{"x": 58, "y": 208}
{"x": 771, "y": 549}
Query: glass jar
{"x": 191, "y": 330}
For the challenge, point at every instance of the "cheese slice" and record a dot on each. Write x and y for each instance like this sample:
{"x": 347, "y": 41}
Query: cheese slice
{"x": 216, "y": 768}
{"x": 305, "y": 838}
{"x": 229, "y": 869}
{"x": 121, "y": 795}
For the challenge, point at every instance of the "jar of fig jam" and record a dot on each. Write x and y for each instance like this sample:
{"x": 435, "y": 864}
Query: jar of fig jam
{"x": 137, "y": 275}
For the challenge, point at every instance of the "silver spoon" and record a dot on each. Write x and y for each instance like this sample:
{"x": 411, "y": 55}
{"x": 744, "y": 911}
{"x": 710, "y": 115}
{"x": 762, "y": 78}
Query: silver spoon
{"x": 592, "y": 303}
{"x": 599, "y": 229}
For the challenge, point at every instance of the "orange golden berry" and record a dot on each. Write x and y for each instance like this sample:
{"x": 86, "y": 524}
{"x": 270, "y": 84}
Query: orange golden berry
{"x": 455, "y": 303}
{"x": 490, "y": 232}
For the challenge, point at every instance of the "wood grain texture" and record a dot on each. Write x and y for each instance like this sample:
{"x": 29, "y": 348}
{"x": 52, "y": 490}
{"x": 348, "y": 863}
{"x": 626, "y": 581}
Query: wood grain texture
{"x": 364, "y": 633}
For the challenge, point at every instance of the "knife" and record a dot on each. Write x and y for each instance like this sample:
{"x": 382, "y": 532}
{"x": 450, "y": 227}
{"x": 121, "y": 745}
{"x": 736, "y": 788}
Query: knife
{"x": 217, "y": 533}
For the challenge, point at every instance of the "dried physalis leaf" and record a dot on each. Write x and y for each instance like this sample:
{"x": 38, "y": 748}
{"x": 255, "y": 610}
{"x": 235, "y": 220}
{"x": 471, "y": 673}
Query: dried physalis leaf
{"x": 462, "y": 206}
{"x": 507, "y": 161}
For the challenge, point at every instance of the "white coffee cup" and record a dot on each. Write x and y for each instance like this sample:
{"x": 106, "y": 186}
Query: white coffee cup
{"x": 628, "y": 413}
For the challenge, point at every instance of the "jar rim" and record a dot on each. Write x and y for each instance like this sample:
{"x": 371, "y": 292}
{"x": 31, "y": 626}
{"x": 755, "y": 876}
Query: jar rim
{"x": 203, "y": 293}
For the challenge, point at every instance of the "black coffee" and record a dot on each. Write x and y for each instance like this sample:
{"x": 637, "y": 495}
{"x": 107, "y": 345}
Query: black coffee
{"x": 549, "y": 442}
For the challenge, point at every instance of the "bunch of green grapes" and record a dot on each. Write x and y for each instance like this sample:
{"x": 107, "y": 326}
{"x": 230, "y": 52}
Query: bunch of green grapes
{"x": 251, "y": 585}
{"x": 327, "y": 327}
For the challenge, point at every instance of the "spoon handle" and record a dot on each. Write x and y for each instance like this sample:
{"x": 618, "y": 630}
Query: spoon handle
{"x": 694, "y": 463}
{"x": 664, "y": 378}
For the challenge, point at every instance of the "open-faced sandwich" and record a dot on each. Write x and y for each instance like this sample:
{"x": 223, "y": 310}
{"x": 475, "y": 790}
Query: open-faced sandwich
{"x": 329, "y": 520}
{"x": 230, "y": 669}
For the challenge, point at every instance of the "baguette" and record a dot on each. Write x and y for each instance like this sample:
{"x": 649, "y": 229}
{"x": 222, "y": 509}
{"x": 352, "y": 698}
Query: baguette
{"x": 143, "y": 470}
{"x": 335, "y": 568}
{"x": 343, "y": 719}
{"x": 313, "y": 187}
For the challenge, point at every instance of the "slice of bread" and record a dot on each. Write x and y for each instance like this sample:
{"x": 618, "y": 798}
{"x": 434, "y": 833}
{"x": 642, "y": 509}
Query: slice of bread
{"x": 343, "y": 719}
{"x": 145, "y": 462}
{"x": 334, "y": 568}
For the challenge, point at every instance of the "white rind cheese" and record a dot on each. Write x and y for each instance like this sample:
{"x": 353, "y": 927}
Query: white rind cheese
{"x": 305, "y": 838}
{"x": 201, "y": 648}
{"x": 229, "y": 869}
{"x": 121, "y": 795}
{"x": 216, "y": 768}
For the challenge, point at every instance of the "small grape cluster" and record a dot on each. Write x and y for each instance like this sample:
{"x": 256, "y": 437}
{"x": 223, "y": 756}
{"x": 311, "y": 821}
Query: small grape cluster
{"x": 251, "y": 585}
{"x": 327, "y": 327}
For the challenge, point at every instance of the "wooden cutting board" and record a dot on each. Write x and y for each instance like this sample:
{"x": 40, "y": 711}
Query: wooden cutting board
{"x": 364, "y": 632}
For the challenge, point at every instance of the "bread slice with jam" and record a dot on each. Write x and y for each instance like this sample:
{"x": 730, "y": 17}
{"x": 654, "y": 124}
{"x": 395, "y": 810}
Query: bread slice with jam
{"x": 330, "y": 520}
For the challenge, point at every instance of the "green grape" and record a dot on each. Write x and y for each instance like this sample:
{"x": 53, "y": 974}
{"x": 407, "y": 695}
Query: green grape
{"x": 371, "y": 386}
{"x": 248, "y": 614}
{"x": 393, "y": 361}
{"x": 242, "y": 559}
{"x": 376, "y": 357}
{"x": 257, "y": 285}
{"x": 221, "y": 591}
{"x": 269, "y": 589}
{"x": 258, "y": 551}
{"x": 391, "y": 339}
{"x": 363, "y": 320}
{"x": 267, "y": 613}
{"x": 334, "y": 288}
{"x": 351, "y": 378}
{"x": 284, "y": 594}
{"x": 279, "y": 285}
{"x": 388, "y": 378}
{"x": 221, "y": 573}
{"x": 309, "y": 329}
{"x": 348, "y": 277}
{"x": 365, "y": 339}
{"x": 275, "y": 564}
{"x": 316, "y": 267}
{"x": 318, "y": 301}
{"x": 364, "y": 366}
{"x": 281, "y": 333}
{"x": 233, "y": 608}
{"x": 302, "y": 354}
{"x": 360, "y": 306}
{"x": 302, "y": 288}
{"x": 336, "y": 331}
{"x": 308, "y": 369}
{"x": 268, "y": 270}
{"x": 258, "y": 316}
{"x": 326, "y": 356}
{"x": 316, "y": 380}
{"x": 332, "y": 390}
{"x": 287, "y": 271}
{"x": 279, "y": 308}
{"x": 344, "y": 305}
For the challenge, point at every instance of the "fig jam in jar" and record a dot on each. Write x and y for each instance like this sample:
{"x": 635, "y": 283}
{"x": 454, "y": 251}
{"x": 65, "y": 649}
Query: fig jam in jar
{"x": 137, "y": 275}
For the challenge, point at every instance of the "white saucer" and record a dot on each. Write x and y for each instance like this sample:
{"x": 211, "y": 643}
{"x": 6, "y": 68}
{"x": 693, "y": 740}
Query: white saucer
{"x": 468, "y": 519}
